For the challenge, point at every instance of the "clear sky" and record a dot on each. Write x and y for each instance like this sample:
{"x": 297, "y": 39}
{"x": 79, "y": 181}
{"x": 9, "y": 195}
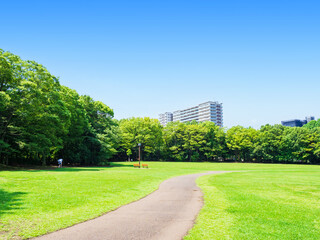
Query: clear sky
{"x": 261, "y": 59}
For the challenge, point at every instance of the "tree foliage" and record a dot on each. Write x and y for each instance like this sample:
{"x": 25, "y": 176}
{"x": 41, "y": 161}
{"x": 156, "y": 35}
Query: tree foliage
{"x": 146, "y": 131}
{"x": 41, "y": 121}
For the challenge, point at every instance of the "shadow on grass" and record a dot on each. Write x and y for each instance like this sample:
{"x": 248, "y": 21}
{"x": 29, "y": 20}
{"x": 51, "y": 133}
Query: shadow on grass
{"x": 80, "y": 169}
{"x": 64, "y": 169}
{"x": 56, "y": 169}
{"x": 87, "y": 168}
{"x": 10, "y": 201}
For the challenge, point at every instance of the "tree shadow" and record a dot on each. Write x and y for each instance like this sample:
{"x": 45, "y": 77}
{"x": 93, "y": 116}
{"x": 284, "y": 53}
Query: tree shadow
{"x": 10, "y": 201}
{"x": 79, "y": 169}
{"x": 64, "y": 169}
{"x": 84, "y": 168}
{"x": 55, "y": 169}
{"x": 91, "y": 168}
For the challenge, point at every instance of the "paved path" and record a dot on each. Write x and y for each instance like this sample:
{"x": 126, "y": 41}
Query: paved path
{"x": 166, "y": 214}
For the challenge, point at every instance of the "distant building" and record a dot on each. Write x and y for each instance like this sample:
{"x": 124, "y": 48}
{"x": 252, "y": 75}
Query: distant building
{"x": 308, "y": 119}
{"x": 164, "y": 118}
{"x": 297, "y": 122}
{"x": 208, "y": 111}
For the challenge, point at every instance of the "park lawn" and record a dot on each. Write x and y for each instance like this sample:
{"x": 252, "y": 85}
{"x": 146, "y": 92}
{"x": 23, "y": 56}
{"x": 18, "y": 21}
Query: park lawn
{"x": 270, "y": 204}
{"x": 34, "y": 202}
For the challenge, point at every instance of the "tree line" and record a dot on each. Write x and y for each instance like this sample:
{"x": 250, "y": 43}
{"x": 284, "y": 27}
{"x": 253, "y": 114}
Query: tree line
{"x": 42, "y": 120}
{"x": 206, "y": 141}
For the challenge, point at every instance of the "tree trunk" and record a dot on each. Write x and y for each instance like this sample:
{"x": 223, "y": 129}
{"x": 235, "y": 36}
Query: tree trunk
{"x": 44, "y": 162}
{"x": 6, "y": 160}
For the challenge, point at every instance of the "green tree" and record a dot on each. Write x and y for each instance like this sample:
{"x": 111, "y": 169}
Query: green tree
{"x": 241, "y": 141}
{"x": 41, "y": 120}
{"x": 300, "y": 144}
{"x": 312, "y": 124}
{"x": 100, "y": 137}
{"x": 146, "y": 131}
{"x": 6, "y": 80}
{"x": 173, "y": 141}
{"x": 269, "y": 147}
{"x": 215, "y": 146}
{"x": 193, "y": 141}
{"x": 34, "y": 117}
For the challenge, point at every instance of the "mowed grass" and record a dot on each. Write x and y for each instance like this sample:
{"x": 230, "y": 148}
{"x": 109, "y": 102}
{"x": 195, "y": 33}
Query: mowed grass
{"x": 279, "y": 203}
{"x": 239, "y": 205}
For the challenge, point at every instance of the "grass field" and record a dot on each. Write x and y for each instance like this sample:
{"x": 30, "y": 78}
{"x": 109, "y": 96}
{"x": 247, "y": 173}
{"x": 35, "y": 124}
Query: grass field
{"x": 267, "y": 202}
{"x": 272, "y": 204}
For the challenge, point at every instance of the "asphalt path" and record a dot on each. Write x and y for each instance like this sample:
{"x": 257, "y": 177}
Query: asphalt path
{"x": 166, "y": 214}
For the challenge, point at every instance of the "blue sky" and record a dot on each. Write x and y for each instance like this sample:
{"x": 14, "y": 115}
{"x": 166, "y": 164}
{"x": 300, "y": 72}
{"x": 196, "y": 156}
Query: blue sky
{"x": 261, "y": 59}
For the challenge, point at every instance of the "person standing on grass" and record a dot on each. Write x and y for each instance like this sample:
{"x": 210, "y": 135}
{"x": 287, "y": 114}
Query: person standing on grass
{"x": 60, "y": 162}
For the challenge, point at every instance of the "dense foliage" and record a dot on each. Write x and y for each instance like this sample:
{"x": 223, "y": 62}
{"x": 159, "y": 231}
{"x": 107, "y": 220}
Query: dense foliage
{"x": 207, "y": 142}
{"x": 42, "y": 121}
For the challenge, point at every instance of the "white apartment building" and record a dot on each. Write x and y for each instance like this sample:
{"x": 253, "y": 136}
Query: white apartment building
{"x": 164, "y": 118}
{"x": 208, "y": 111}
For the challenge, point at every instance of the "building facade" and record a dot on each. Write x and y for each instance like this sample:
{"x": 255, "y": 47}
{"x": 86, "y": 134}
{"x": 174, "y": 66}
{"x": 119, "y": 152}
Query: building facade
{"x": 164, "y": 118}
{"x": 297, "y": 122}
{"x": 208, "y": 111}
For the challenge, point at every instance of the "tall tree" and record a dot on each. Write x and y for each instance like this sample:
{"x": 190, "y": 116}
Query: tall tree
{"x": 240, "y": 142}
{"x": 99, "y": 138}
{"x": 215, "y": 147}
{"x": 34, "y": 118}
{"x": 146, "y": 131}
{"x": 268, "y": 147}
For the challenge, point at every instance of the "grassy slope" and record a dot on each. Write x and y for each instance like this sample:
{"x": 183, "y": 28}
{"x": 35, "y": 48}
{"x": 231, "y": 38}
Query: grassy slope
{"x": 33, "y": 202}
{"x": 279, "y": 203}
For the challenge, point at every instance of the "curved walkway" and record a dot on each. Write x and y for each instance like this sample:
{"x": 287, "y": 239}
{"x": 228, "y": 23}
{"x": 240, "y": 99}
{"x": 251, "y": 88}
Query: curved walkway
{"x": 168, "y": 213}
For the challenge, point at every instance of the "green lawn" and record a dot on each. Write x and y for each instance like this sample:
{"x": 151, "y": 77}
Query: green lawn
{"x": 269, "y": 201}
{"x": 271, "y": 204}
